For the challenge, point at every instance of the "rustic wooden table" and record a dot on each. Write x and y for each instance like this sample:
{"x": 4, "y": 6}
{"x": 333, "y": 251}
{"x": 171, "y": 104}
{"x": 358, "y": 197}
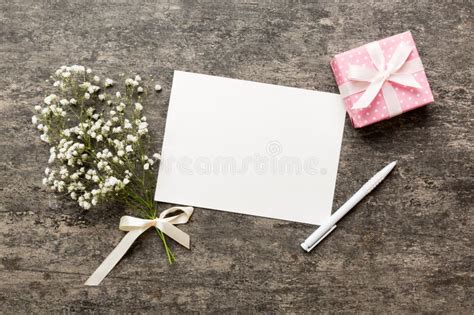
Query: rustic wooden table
{"x": 407, "y": 248}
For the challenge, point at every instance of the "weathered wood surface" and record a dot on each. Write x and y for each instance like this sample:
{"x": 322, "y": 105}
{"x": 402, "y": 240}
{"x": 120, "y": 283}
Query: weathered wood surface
{"x": 407, "y": 248}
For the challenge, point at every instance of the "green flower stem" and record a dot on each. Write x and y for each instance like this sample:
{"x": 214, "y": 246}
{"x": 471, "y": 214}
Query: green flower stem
{"x": 169, "y": 254}
{"x": 152, "y": 215}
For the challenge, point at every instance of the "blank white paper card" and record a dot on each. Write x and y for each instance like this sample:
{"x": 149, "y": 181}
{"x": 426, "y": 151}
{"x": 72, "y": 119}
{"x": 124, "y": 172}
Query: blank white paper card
{"x": 251, "y": 148}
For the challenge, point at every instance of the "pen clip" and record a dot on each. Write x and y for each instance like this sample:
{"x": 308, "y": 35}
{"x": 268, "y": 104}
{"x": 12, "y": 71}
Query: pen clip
{"x": 322, "y": 237}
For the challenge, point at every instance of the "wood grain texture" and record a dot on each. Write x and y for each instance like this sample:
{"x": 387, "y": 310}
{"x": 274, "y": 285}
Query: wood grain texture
{"x": 406, "y": 249}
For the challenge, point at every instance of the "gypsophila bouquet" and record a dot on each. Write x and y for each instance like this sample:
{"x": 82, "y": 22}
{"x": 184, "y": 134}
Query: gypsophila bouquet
{"x": 98, "y": 140}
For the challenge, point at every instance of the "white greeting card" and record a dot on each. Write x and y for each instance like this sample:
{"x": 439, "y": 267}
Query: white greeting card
{"x": 251, "y": 148}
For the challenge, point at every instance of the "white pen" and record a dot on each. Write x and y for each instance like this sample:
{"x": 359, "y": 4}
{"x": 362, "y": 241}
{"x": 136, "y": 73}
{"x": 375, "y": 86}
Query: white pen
{"x": 328, "y": 226}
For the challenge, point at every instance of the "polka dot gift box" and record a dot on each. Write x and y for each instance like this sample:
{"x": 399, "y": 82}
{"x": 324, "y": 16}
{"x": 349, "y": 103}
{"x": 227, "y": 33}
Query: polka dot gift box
{"x": 381, "y": 79}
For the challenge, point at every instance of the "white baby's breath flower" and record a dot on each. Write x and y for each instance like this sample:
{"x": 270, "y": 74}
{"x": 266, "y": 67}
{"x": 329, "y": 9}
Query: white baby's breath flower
{"x": 92, "y": 89}
{"x": 85, "y": 85}
{"x": 156, "y": 156}
{"x": 87, "y": 96}
{"x": 108, "y": 82}
{"x": 121, "y": 107}
{"x": 131, "y": 82}
{"x": 89, "y": 71}
{"x": 77, "y": 69}
{"x": 142, "y": 128}
{"x": 52, "y": 157}
{"x": 34, "y": 120}
{"x": 96, "y": 78}
{"x": 138, "y": 106}
{"x": 146, "y": 166}
{"x": 60, "y": 186}
{"x": 132, "y": 138}
{"x": 118, "y": 94}
{"x": 64, "y": 102}
{"x": 56, "y": 83}
{"x": 143, "y": 131}
{"x": 138, "y": 78}
{"x": 73, "y": 101}
{"x": 101, "y": 97}
{"x": 128, "y": 149}
{"x": 48, "y": 99}
{"x": 139, "y": 89}
{"x": 111, "y": 181}
{"x": 37, "y": 108}
{"x": 157, "y": 87}
{"x": 66, "y": 74}
{"x": 45, "y": 138}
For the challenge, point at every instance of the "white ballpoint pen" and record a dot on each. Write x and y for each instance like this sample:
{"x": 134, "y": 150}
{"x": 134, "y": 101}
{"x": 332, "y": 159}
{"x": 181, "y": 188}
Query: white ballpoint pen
{"x": 328, "y": 226}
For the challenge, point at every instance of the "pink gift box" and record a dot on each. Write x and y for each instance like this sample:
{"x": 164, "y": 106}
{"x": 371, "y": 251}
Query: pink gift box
{"x": 381, "y": 79}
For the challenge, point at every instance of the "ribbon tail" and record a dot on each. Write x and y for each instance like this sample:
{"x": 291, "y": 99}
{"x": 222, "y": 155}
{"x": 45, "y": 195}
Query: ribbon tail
{"x": 369, "y": 95}
{"x": 173, "y": 232}
{"x": 391, "y": 99}
{"x": 114, "y": 257}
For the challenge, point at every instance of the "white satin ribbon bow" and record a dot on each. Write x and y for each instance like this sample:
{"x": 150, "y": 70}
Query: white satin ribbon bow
{"x": 135, "y": 227}
{"x": 370, "y": 80}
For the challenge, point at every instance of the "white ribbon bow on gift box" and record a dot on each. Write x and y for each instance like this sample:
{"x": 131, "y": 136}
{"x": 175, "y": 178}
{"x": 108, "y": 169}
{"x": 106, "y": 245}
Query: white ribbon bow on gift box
{"x": 370, "y": 80}
{"x": 135, "y": 227}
